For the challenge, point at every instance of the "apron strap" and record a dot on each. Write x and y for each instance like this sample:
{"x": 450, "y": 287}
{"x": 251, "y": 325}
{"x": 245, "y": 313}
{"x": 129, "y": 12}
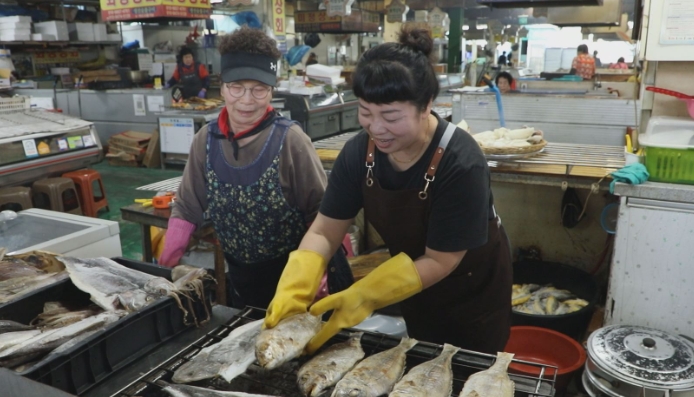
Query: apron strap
{"x": 430, "y": 175}
{"x": 370, "y": 161}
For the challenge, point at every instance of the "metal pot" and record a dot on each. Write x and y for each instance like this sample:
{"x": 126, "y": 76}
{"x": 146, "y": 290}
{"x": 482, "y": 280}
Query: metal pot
{"x": 633, "y": 361}
{"x": 139, "y": 76}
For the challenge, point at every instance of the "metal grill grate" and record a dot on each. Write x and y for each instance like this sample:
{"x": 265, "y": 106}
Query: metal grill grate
{"x": 282, "y": 381}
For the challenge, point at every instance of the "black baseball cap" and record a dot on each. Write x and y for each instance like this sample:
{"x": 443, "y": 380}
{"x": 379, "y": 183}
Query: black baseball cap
{"x": 244, "y": 66}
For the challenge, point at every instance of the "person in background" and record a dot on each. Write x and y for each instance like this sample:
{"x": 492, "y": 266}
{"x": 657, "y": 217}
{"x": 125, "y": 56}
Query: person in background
{"x": 191, "y": 76}
{"x": 598, "y": 62}
{"x": 620, "y": 64}
{"x": 312, "y": 59}
{"x": 509, "y": 58}
{"x": 256, "y": 174}
{"x": 583, "y": 64}
{"x": 502, "y": 59}
{"x": 424, "y": 185}
{"x": 504, "y": 81}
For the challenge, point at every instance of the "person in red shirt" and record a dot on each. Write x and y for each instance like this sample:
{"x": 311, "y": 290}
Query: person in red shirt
{"x": 620, "y": 64}
{"x": 583, "y": 64}
{"x": 191, "y": 76}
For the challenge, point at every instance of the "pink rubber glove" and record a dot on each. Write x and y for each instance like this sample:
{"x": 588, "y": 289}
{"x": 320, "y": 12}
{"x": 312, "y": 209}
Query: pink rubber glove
{"x": 322, "y": 288}
{"x": 176, "y": 241}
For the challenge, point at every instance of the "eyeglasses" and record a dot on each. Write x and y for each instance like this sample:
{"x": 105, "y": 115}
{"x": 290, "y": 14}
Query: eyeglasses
{"x": 258, "y": 92}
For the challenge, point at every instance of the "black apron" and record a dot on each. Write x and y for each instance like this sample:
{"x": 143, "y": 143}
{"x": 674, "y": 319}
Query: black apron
{"x": 190, "y": 82}
{"x": 471, "y": 307}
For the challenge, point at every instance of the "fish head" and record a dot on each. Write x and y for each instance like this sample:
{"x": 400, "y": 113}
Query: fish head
{"x": 134, "y": 300}
{"x": 195, "y": 372}
{"x": 351, "y": 388}
{"x": 160, "y": 286}
{"x": 312, "y": 384}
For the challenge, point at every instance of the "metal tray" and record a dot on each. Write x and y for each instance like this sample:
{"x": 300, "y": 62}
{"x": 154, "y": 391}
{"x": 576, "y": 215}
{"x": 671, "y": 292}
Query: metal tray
{"x": 282, "y": 381}
{"x": 501, "y": 157}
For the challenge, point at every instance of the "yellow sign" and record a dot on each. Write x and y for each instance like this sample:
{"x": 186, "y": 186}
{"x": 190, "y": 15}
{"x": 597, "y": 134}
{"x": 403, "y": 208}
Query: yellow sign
{"x": 56, "y": 57}
{"x": 278, "y": 26}
{"x": 123, "y": 4}
{"x": 311, "y": 17}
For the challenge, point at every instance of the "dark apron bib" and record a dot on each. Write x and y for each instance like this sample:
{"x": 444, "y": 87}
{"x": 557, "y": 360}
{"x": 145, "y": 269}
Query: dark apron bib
{"x": 190, "y": 83}
{"x": 471, "y": 307}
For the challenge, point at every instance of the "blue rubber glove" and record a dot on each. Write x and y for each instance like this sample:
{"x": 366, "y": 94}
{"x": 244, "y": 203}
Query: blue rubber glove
{"x": 167, "y": 85}
{"x": 201, "y": 94}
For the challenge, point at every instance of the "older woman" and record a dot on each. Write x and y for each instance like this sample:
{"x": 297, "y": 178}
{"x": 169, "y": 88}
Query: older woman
{"x": 255, "y": 173}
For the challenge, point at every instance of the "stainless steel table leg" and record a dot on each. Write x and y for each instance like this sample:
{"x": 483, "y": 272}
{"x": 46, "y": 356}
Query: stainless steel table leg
{"x": 146, "y": 243}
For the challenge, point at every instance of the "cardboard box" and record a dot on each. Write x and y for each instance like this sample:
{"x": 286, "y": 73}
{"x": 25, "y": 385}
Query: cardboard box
{"x": 121, "y": 163}
{"x": 56, "y": 28}
{"x": 115, "y": 147}
{"x": 153, "y": 155}
{"x": 132, "y": 138}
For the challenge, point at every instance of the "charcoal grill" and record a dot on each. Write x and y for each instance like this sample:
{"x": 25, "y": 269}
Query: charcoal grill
{"x": 282, "y": 381}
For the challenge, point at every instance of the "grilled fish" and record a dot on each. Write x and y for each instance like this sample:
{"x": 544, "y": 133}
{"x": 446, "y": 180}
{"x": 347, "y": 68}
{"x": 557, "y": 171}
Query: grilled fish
{"x": 493, "y": 382}
{"x": 229, "y": 358}
{"x": 375, "y": 375}
{"x": 12, "y": 326}
{"x": 433, "y": 378}
{"x": 279, "y": 345}
{"x": 329, "y": 366}
{"x": 192, "y": 391}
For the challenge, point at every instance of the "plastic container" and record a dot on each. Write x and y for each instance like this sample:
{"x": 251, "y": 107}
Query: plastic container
{"x": 94, "y": 359}
{"x": 561, "y": 276}
{"x": 545, "y": 346}
{"x": 669, "y": 147}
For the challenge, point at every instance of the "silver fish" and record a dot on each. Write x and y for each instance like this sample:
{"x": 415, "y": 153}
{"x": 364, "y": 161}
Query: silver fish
{"x": 433, "y": 378}
{"x": 229, "y": 358}
{"x": 493, "y": 382}
{"x": 12, "y": 326}
{"x": 9, "y": 339}
{"x": 58, "y": 351}
{"x": 16, "y": 287}
{"x": 329, "y": 366}
{"x": 192, "y": 391}
{"x": 112, "y": 285}
{"x": 51, "y": 339}
{"x": 276, "y": 346}
{"x": 377, "y": 374}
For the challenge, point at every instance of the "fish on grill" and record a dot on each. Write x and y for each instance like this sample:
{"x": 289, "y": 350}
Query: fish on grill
{"x": 492, "y": 382}
{"x": 229, "y": 358}
{"x": 192, "y": 391}
{"x": 433, "y": 378}
{"x": 375, "y": 375}
{"x": 279, "y": 345}
{"x": 329, "y": 366}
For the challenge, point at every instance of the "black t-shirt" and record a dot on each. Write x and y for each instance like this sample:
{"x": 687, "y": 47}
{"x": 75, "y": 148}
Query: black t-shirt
{"x": 461, "y": 195}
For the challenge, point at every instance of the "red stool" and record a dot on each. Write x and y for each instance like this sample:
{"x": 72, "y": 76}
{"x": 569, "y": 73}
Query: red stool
{"x": 57, "y": 194}
{"x": 90, "y": 189}
{"x": 15, "y": 198}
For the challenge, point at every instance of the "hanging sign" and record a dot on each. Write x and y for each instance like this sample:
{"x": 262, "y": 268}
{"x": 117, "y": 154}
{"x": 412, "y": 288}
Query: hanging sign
{"x": 56, "y": 57}
{"x": 396, "y": 11}
{"x": 123, "y": 10}
{"x": 278, "y": 24}
{"x": 319, "y": 21}
{"x": 339, "y": 8}
{"x": 436, "y": 21}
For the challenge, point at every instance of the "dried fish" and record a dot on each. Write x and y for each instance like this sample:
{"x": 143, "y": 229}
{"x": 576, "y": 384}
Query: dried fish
{"x": 546, "y": 300}
{"x": 493, "y": 382}
{"x": 42, "y": 260}
{"x": 228, "y": 358}
{"x": 329, "y": 366}
{"x": 58, "y": 351}
{"x": 433, "y": 378}
{"x": 51, "y": 339}
{"x": 191, "y": 278}
{"x": 11, "y": 326}
{"x": 276, "y": 346}
{"x": 10, "y": 339}
{"x": 192, "y": 391}
{"x": 15, "y": 287}
{"x": 377, "y": 374}
{"x": 13, "y": 268}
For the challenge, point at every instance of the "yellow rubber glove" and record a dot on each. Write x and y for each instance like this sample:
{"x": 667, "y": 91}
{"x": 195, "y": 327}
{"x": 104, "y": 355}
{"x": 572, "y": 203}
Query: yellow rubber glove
{"x": 393, "y": 281}
{"x": 297, "y": 287}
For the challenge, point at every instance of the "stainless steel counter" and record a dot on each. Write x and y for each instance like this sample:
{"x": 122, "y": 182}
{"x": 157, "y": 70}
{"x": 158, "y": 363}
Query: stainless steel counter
{"x": 657, "y": 191}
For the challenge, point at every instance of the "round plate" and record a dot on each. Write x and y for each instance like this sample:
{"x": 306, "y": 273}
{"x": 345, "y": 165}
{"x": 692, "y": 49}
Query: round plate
{"x": 512, "y": 156}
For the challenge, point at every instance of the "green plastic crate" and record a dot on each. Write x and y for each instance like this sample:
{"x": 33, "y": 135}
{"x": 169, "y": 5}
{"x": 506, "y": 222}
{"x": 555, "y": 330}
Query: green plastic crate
{"x": 670, "y": 165}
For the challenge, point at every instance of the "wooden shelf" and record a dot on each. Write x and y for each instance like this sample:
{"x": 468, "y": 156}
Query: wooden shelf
{"x": 58, "y": 43}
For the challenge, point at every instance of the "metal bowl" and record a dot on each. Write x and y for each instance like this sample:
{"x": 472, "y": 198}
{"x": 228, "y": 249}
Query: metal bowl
{"x": 139, "y": 76}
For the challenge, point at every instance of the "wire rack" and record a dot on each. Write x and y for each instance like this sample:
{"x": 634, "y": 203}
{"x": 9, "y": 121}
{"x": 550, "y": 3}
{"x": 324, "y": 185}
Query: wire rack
{"x": 282, "y": 381}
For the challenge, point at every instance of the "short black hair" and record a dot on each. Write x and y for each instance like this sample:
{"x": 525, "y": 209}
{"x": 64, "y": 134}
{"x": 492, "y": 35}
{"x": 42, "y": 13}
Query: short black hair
{"x": 620, "y": 60}
{"x": 505, "y": 75}
{"x": 185, "y": 51}
{"x": 583, "y": 49}
{"x": 398, "y": 72}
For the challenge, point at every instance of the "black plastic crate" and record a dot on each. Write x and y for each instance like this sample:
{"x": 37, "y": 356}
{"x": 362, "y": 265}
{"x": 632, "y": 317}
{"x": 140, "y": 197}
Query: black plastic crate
{"x": 86, "y": 364}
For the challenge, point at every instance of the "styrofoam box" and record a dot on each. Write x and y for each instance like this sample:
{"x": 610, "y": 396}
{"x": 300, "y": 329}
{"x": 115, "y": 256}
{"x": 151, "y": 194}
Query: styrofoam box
{"x": 13, "y": 37}
{"x": 113, "y": 37}
{"x": 56, "y": 28}
{"x": 669, "y": 132}
{"x": 15, "y": 18}
{"x": 16, "y": 32}
{"x": 81, "y": 31}
{"x": 322, "y": 71}
{"x": 42, "y": 37}
{"x": 14, "y": 25}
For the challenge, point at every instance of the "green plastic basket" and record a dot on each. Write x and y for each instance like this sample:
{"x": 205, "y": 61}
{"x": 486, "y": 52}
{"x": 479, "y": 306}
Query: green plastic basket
{"x": 670, "y": 165}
